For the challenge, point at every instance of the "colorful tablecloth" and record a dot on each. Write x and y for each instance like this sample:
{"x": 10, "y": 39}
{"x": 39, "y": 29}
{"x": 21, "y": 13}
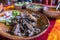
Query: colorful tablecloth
{"x": 55, "y": 33}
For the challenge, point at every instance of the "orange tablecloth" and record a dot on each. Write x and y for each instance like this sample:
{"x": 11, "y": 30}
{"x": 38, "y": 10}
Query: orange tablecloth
{"x": 8, "y": 7}
{"x": 55, "y": 33}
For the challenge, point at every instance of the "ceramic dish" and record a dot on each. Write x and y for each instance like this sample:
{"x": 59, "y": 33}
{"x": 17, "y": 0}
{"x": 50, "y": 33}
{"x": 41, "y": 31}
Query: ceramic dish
{"x": 34, "y": 7}
{"x": 51, "y": 12}
{"x": 43, "y": 24}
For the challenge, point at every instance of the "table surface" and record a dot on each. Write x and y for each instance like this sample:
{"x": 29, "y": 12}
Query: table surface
{"x": 42, "y": 37}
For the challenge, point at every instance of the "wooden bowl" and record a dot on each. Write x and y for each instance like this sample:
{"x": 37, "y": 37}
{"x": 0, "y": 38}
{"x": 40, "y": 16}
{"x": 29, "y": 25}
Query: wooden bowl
{"x": 17, "y": 7}
{"x": 34, "y": 9}
{"x": 43, "y": 24}
{"x": 51, "y": 12}
{"x": 21, "y": 6}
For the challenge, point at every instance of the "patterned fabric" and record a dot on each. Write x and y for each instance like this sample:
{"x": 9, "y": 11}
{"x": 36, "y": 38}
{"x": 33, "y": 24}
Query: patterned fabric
{"x": 25, "y": 0}
{"x": 58, "y": 3}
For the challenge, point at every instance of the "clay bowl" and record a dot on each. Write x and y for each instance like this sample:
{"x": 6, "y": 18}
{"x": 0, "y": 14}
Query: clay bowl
{"x": 28, "y": 7}
{"x": 51, "y": 12}
{"x": 43, "y": 24}
{"x": 17, "y": 7}
{"x": 22, "y": 6}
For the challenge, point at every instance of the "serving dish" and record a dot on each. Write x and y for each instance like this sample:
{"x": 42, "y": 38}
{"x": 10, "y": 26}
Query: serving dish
{"x": 42, "y": 23}
{"x": 51, "y": 12}
{"x": 34, "y": 7}
{"x": 20, "y": 5}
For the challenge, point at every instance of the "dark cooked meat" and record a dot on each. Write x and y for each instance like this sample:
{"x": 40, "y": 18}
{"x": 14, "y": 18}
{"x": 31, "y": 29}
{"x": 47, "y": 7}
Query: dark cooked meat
{"x": 25, "y": 25}
{"x": 35, "y": 15}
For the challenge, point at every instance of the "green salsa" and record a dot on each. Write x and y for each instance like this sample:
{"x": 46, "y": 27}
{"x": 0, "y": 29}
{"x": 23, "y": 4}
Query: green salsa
{"x": 35, "y": 6}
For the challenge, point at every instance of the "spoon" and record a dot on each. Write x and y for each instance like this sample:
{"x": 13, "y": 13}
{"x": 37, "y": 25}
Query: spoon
{"x": 58, "y": 6}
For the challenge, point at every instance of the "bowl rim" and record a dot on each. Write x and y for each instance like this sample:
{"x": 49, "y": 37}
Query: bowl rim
{"x": 52, "y": 8}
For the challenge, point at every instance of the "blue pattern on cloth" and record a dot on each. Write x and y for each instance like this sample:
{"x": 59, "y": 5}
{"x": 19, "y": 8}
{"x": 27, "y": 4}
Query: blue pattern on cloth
{"x": 25, "y": 0}
{"x": 58, "y": 3}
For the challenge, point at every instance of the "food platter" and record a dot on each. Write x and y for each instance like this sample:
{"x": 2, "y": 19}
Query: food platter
{"x": 42, "y": 23}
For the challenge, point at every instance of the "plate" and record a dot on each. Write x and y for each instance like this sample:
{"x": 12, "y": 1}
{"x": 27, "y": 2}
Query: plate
{"x": 43, "y": 24}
